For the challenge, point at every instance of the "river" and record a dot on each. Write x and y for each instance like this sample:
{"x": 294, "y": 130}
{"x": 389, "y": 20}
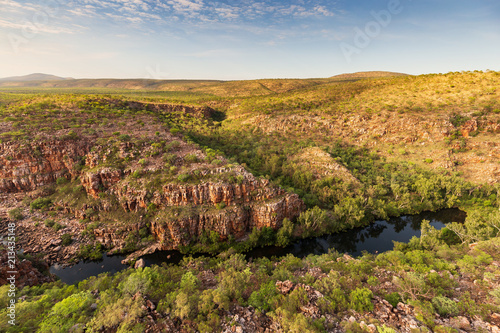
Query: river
{"x": 376, "y": 237}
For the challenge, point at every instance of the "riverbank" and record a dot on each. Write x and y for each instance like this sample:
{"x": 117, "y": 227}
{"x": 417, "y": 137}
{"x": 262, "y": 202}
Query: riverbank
{"x": 377, "y": 237}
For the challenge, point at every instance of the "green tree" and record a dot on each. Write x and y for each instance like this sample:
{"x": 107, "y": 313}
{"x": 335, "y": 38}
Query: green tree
{"x": 72, "y": 310}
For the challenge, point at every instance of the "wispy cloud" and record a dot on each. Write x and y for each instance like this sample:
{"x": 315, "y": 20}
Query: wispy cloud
{"x": 13, "y": 6}
{"x": 186, "y": 6}
{"x": 199, "y": 11}
{"x": 36, "y": 28}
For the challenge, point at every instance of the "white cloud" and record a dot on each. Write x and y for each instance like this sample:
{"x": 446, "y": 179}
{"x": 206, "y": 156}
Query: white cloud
{"x": 32, "y": 28}
{"x": 13, "y": 6}
{"x": 227, "y": 12}
{"x": 84, "y": 11}
{"x": 186, "y": 5}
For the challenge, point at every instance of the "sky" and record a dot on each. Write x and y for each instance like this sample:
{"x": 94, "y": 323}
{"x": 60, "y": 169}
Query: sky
{"x": 246, "y": 39}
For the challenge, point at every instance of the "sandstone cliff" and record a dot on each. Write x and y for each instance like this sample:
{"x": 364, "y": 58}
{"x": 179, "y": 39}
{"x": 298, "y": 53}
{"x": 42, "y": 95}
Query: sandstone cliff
{"x": 225, "y": 199}
{"x": 25, "y": 167}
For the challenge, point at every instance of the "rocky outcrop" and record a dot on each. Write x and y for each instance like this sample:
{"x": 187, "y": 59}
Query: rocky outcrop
{"x": 237, "y": 221}
{"x": 202, "y": 112}
{"x": 209, "y": 193}
{"x": 25, "y": 273}
{"x": 182, "y": 211}
{"x": 95, "y": 182}
{"x": 114, "y": 237}
{"x": 174, "y": 232}
{"x": 25, "y": 167}
{"x": 468, "y": 127}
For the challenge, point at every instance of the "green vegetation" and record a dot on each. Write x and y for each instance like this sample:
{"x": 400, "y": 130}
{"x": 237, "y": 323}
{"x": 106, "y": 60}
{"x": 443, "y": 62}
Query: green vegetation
{"x": 66, "y": 239}
{"x": 352, "y": 150}
{"x": 15, "y": 214}
{"x": 41, "y": 203}
{"x": 407, "y": 274}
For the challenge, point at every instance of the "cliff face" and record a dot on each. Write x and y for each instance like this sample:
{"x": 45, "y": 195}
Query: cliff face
{"x": 235, "y": 220}
{"x": 182, "y": 211}
{"x": 209, "y": 193}
{"x": 25, "y": 273}
{"x": 25, "y": 167}
{"x": 251, "y": 203}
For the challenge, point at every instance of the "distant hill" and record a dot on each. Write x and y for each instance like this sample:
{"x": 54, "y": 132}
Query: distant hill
{"x": 364, "y": 75}
{"x": 34, "y": 77}
{"x": 212, "y": 87}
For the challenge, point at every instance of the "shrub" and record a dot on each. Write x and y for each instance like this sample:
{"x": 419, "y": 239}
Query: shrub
{"x": 41, "y": 203}
{"x": 495, "y": 294}
{"x": 169, "y": 158}
{"x": 284, "y": 234}
{"x": 393, "y": 298}
{"x": 429, "y": 160}
{"x": 184, "y": 177}
{"x": 91, "y": 251}
{"x": 173, "y": 170}
{"x": 424, "y": 312}
{"x": 262, "y": 237}
{"x": 49, "y": 223}
{"x": 174, "y": 131}
{"x": 136, "y": 174}
{"x": 15, "y": 214}
{"x": 313, "y": 220}
{"x": 385, "y": 329}
{"x": 143, "y": 162}
{"x": 173, "y": 145}
{"x": 191, "y": 158}
{"x": 372, "y": 281}
{"x": 361, "y": 300}
{"x": 445, "y": 306}
{"x": 61, "y": 181}
{"x": 467, "y": 305}
{"x": 124, "y": 137}
{"x": 66, "y": 239}
{"x": 220, "y": 205}
{"x": 449, "y": 237}
{"x": 64, "y": 315}
{"x": 57, "y": 227}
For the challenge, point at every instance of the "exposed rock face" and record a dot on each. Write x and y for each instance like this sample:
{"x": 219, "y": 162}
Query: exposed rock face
{"x": 114, "y": 236}
{"x": 229, "y": 208}
{"x": 27, "y": 167}
{"x": 234, "y": 220}
{"x": 26, "y": 275}
{"x": 209, "y": 193}
{"x": 412, "y": 132}
{"x": 468, "y": 127}
{"x": 94, "y": 182}
{"x": 175, "y": 232}
{"x": 204, "y": 112}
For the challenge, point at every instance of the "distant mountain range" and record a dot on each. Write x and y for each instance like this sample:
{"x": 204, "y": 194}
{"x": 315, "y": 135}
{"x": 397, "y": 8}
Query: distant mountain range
{"x": 365, "y": 75}
{"x": 34, "y": 77}
{"x": 263, "y": 86}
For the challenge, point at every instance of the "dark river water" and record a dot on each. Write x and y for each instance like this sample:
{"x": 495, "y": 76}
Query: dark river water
{"x": 377, "y": 237}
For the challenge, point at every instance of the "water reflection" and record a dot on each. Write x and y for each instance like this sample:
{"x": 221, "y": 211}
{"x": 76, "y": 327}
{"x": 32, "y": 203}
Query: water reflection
{"x": 377, "y": 237}
{"x": 87, "y": 268}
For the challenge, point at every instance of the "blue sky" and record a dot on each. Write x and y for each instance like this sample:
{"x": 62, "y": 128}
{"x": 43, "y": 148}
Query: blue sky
{"x": 246, "y": 39}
